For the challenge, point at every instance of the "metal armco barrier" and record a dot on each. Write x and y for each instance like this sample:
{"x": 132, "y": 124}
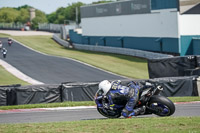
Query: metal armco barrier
{"x": 124, "y": 51}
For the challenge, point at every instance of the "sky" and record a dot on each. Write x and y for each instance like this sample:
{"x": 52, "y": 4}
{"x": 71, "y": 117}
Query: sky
{"x": 47, "y": 6}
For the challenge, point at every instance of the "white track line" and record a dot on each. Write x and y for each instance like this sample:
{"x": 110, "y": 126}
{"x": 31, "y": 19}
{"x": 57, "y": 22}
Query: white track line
{"x": 18, "y": 73}
{"x": 70, "y": 108}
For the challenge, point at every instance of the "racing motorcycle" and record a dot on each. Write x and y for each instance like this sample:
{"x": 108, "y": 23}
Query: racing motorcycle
{"x": 1, "y": 45}
{"x": 10, "y": 42}
{"x": 148, "y": 97}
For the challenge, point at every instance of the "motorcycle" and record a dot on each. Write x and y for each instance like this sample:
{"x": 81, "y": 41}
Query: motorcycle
{"x": 4, "y": 54}
{"x": 1, "y": 45}
{"x": 10, "y": 42}
{"x": 148, "y": 97}
{"x": 4, "y": 51}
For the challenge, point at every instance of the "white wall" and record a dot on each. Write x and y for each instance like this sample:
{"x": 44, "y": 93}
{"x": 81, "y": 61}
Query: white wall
{"x": 189, "y": 24}
{"x": 69, "y": 27}
{"x": 160, "y": 23}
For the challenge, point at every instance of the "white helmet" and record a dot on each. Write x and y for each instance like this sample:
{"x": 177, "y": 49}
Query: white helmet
{"x": 104, "y": 86}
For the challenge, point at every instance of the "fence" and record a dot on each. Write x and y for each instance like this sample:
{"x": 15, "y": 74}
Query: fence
{"x": 11, "y": 26}
{"x": 56, "y": 37}
{"x": 18, "y": 95}
{"x": 50, "y": 27}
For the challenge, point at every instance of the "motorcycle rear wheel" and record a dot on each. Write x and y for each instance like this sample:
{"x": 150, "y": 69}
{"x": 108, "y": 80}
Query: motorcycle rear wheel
{"x": 162, "y": 105}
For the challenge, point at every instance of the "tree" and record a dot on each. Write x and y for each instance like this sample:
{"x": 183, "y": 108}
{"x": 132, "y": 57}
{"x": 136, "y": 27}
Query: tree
{"x": 23, "y": 7}
{"x": 40, "y": 18}
{"x": 103, "y": 1}
{"x": 65, "y": 14}
{"x": 23, "y": 16}
{"x": 8, "y": 15}
{"x": 51, "y": 17}
{"x": 60, "y": 15}
{"x": 71, "y": 11}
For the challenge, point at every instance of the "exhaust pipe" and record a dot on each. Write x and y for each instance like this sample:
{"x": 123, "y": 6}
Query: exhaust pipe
{"x": 158, "y": 90}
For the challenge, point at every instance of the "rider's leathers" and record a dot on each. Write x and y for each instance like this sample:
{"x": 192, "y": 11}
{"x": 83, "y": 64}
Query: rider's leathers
{"x": 119, "y": 93}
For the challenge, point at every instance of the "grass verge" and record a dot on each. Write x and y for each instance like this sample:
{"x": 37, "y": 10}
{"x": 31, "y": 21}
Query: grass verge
{"x": 86, "y": 103}
{"x": 184, "y": 99}
{"x": 49, "y": 105}
{"x": 7, "y": 78}
{"x": 4, "y": 35}
{"x": 150, "y": 125}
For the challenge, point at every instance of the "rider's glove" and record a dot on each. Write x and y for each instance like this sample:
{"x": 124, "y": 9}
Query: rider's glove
{"x": 134, "y": 85}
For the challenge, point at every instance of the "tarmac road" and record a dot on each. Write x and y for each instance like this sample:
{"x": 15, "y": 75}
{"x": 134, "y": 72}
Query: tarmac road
{"x": 17, "y": 116}
{"x": 51, "y": 69}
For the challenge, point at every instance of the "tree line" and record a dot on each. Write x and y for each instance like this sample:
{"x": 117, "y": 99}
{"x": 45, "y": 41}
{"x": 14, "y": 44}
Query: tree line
{"x": 60, "y": 16}
{"x": 21, "y": 15}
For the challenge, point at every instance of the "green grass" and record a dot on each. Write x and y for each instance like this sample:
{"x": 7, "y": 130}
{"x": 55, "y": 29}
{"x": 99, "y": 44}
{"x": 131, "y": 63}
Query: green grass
{"x": 185, "y": 99}
{"x": 4, "y": 35}
{"x": 7, "y": 78}
{"x": 135, "y": 125}
{"x": 83, "y": 103}
{"x": 49, "y": 105}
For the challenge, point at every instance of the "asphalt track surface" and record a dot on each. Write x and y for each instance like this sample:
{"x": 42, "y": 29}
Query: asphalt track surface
{"x": 189, "y": 109}
{"x": 51, "y": 69}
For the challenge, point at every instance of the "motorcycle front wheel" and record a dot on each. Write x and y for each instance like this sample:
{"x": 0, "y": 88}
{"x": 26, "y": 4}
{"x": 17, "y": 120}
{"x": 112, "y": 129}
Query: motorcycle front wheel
{"x": 161, "y": 105}
{"x": 109, "y": 113}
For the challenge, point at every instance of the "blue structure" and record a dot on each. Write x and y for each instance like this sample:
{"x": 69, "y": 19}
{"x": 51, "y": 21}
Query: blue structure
{"x": 150, "y": 25}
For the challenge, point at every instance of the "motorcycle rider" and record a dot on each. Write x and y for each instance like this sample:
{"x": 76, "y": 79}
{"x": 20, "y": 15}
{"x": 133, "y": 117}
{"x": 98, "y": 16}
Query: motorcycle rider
{"x": 4, "y": 52}
{"x": 9, "y": 41}
{"x": 113, "y": 91}
{"x": 1, "y": 45}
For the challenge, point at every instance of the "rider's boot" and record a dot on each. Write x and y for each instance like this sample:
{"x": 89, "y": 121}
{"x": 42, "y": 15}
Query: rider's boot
{"x": 135, "y": 112}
